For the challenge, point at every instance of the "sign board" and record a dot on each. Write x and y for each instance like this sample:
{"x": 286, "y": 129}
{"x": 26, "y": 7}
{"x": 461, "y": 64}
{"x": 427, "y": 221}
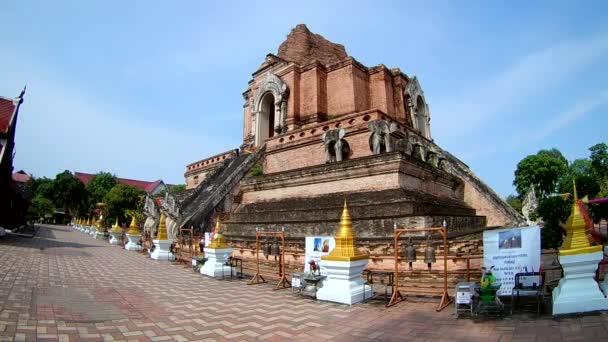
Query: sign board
{"x": 511, "y": 251}
{"x": 316, "y": 247}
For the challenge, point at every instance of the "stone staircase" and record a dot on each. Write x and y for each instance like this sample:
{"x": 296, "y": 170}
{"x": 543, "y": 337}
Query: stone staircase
{"x": 209, "y": 194}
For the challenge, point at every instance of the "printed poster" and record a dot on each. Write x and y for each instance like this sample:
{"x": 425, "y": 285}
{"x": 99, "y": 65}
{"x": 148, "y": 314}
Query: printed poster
{"x": 511, "y": 251}
{"x": 316, "y": 247}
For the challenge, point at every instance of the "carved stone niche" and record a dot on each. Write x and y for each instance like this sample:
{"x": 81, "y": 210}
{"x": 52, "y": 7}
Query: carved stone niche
{"x": 380, "y": 141}
{"x": 444, "y": 165}
{"x": 336, "y": 147}
{"x": 432, "y": 158}
{"x": 280, "y": 92}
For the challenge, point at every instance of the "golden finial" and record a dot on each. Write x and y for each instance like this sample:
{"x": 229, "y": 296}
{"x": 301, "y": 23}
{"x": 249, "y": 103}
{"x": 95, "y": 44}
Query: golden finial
{"x": 89, "y": 221}
{"x": 162, "y": 228}
{"x": 577, "y": 240}
{"x": 219, "y": 241}
{"x": 133, "y": 227}
{"x": 346, "y": 241}
{"x": 116, "y": 228}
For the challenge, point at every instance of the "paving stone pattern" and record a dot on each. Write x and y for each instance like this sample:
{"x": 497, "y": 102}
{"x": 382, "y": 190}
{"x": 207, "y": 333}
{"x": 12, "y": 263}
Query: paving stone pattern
{"x": 66, "y": 286}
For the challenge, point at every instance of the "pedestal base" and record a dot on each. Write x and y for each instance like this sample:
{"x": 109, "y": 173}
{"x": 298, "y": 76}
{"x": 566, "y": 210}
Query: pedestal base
{"x": 344, "y": 283}
{"x": 133, "y": 244}
{"x": 86, "y": 230}
{"x": 93, "y": 231}
{"x": 577, "y": 290}
{"x": 115, "y": 238}
{"x": 162, "y": 250}
{"x": 100, "y": 235}
{"x": 216, "y": 259}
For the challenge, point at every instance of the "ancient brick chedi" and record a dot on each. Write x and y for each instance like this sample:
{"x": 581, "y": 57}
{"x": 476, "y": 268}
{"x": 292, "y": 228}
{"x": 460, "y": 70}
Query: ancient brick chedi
{"x": 320, "y": 127}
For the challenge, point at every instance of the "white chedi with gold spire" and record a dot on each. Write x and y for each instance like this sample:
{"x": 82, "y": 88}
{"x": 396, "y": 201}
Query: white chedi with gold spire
{"x": 162, "y": 243}
{"x": 134, "y": 236}
{"x": 344, "y": 266}
{"x": 115, "y": 233}
{"x": 217, "y": 254}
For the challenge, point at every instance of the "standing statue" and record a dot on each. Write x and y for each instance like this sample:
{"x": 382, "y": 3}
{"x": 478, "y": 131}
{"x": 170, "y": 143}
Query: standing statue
{"x": 380, "y": 141}
{"x": 530, "y": 204}
{"x": 336, "y": 148}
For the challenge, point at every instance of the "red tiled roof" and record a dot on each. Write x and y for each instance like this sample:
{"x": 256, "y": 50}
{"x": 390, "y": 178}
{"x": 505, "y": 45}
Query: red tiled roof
{"x": 139, "y": 184}
{"x": 21, "y": 177}
{"x": 7, "y": 109}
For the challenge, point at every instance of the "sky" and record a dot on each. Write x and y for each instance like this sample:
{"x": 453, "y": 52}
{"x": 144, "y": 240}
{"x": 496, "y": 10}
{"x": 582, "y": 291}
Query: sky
{"x": 143, "y": 88}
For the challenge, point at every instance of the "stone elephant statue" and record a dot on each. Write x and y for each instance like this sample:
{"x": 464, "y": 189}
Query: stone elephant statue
{"x": 380, "y": 141}
{"x": 336, "y": 148}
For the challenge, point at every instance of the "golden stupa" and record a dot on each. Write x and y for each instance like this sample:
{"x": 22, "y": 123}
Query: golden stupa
{"x": 162, "y": 228}
{"x": 88, "y": 221}
{"x": 346, "y": 241}
{"x": 116, "y": 228}
{"x": 219, "y": 241}
{"x": 134, "y": 227}
{"x": 577, "y": 241}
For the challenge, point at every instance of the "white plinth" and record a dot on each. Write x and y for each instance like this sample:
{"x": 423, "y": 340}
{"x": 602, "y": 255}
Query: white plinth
{"x": 162, "y": 250}
{"x": 115, "y": 238}
{"x": 216, "y": 258}
{"x": 133, "y": 244}
{"x": 604, "y": 284}
{"x": 577, "y": 290}
{"x": 99, "y": 235}
{"x": 93, "y": 231}
{"x": 344, "y": 283}
{"x": 86, "y": 230}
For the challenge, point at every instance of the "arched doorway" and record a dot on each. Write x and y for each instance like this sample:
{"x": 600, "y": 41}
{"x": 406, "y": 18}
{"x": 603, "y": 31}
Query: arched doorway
{"x": 266, "y": 118}
{"x": 421, "y": 116}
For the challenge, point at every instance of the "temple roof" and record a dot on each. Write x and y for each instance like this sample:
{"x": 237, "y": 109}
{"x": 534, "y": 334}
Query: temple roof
{"x": 7, "y": 110}
{"x": 302, "y": 47}
{"x": 146, "y": 186}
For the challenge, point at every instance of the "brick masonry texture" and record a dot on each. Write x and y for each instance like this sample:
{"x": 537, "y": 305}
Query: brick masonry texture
{"x": 164, "y": 302}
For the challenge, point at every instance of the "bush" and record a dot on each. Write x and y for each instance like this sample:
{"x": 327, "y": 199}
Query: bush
{"x": 257, "y": 170}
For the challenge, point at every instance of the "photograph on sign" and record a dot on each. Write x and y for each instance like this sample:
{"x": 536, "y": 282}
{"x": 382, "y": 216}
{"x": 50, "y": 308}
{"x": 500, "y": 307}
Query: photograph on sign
{"x": 315, "y": 248}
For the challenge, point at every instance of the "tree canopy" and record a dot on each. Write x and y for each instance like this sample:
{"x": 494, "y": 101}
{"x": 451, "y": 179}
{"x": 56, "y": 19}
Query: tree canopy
{"x": 542, "y": 170}
{"x": 99, "y": 187}
{"x": 120, "y": 199}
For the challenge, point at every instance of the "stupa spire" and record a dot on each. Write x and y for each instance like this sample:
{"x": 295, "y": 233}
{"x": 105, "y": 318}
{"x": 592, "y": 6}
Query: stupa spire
{"x": 218, "y": 238}
{"x": 577, "y": 241}
{"x": 346, "y": 241}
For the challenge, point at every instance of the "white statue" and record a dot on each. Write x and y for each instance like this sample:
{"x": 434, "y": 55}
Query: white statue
{"x": 529, "y": 206}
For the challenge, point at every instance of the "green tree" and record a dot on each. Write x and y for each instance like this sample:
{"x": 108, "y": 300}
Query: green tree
{"x": 120, "y": 199}
{"x": 514, "y": 202}
{"x": 542, "y": 170}
{"x": 40, "y": 206}
{"x": 554, "y": 211}
{"x": 69, "y": 192}
{"x": 99, "y": 187}
{"x": 174, "y": 189}
{"x": 599, "y": 160}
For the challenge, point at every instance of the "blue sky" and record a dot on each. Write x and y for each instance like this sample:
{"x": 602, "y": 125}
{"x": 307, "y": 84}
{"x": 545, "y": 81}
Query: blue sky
{"x": 142, "y": 88}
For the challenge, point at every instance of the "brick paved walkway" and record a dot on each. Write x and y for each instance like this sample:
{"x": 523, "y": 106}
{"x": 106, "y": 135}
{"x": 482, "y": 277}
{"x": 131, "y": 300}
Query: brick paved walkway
{"x": 63, "y": 285}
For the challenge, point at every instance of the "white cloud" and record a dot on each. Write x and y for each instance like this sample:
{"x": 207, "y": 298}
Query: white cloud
{"x": 533, "y": 74}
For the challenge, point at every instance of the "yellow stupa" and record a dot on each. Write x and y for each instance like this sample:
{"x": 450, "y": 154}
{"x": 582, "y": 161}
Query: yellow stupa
{"x": 346, "y": 241}
{"x": 162, "y": 228}
{"x": 100, "y": 226}
{"x": 116, "y": 228}
{"x": 219, "y": 241}
{"x": 577, "y": 241}
{"x": 134, "y": 227}
{"x": 89, "y": 221}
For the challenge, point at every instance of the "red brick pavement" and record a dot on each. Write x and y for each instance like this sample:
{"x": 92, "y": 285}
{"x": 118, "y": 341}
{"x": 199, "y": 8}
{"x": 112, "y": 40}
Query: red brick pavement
{"x": 63, "y": 285}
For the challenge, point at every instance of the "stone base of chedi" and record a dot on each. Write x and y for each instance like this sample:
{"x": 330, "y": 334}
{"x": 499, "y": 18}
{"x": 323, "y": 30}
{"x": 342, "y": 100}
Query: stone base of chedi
{"x": 578, "y": 291}
{"x": 344, "y": 283}
{"x": 215, "y": 266}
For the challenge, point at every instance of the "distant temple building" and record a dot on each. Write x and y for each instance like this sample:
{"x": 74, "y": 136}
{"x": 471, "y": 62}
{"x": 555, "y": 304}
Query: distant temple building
{"x": 150, "y": 188}
{"x": 12, "y": 204}
{"x": 319, "y": 127}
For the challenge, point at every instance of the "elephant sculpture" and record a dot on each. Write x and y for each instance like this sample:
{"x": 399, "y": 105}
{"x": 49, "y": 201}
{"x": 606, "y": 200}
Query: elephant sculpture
{"x": 380, "y": 141}
{"x": 432, "y": 158}
{"x": 444, "y": 165}
{"x": 336, "y": 148}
